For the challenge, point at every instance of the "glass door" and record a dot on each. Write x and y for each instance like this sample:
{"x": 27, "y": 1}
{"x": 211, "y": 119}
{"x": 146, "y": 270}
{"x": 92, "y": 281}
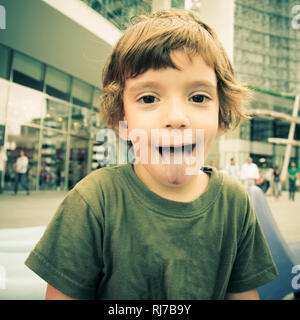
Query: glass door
{"x": 26, "y": 108}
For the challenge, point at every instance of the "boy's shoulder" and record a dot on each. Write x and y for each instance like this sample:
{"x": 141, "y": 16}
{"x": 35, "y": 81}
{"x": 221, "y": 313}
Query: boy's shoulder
{"x": 235, "y": 201}
{"x": 231, "y": 187}
{"x": 102, "y": 177}
{"x": 101, "y": 181}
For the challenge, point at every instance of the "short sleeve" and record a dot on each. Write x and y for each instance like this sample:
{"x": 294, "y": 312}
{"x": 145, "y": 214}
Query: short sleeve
{"x": 254, "y": 265}
{"x": 69, "y": 254}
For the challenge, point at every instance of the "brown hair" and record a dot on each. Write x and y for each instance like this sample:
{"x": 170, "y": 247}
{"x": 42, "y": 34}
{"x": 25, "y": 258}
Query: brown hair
{"x": 148, "y": 44}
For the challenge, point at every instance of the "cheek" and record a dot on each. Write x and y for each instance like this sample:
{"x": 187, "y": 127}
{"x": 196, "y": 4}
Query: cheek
{"x": 209, "y": 124}
{"x": 141, "y": 121}
{"x": 210, "y": 133}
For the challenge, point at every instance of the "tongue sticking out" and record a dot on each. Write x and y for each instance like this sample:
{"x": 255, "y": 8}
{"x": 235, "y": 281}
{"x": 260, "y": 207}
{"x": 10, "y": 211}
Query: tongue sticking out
{"x": 175, "y": 173}
{"x": 175, "y": 162}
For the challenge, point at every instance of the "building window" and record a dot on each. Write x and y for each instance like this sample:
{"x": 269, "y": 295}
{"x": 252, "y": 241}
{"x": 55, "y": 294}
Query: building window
{"x": 27, "y": 81}
{"x": 281, "y": 129}
{"x": 82, "y": 93}
{"x": 57, "y": 93}
{"x": 297, "y": 132}
{"x": 261, "y": 129}
{"x": 27, "y": 71}
{"x": 58, "y": 83}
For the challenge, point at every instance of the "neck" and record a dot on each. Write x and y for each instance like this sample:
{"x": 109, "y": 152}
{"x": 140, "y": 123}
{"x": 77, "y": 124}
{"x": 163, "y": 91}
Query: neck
{"x": 186, "y": 192}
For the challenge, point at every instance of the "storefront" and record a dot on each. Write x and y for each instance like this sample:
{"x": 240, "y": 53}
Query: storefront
{"x": 57, "y": 137}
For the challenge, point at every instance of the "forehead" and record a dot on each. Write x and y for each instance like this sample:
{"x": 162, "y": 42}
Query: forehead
{"x": 188, "y": 71}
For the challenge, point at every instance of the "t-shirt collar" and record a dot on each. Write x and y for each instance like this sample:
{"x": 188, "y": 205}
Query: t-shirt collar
{"x": 164, "y": 206}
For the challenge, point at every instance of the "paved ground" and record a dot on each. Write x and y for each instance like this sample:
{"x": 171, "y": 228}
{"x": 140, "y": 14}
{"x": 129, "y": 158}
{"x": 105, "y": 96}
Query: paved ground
{"x": 23, "y": 220}
{"x": 287, "y": 216}
{"x": 24, "y": 211}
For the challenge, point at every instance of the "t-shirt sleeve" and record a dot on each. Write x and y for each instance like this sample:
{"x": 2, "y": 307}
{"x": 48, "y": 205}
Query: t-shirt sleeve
{"x": 69, "y": 254}
{"x": 254, "y": 265}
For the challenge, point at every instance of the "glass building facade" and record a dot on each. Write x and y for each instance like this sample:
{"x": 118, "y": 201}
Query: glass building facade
{"x": 50, "y": 115}
{"x": 117, "y": 13}
{"x": 267, "y": 57}
{"x": 120, "y": 13}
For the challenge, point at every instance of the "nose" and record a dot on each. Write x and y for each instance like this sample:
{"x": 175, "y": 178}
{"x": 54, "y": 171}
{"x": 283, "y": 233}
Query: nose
{"x": 176, "y": 116}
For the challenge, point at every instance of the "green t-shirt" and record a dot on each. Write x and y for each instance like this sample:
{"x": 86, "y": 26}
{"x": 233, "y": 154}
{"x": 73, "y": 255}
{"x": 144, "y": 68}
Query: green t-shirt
{"x": 293, "y": 172}
{"x": 112, "y": 238}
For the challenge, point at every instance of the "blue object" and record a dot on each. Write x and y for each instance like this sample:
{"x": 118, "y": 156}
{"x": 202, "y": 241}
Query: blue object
{"x": 281, "y": 286}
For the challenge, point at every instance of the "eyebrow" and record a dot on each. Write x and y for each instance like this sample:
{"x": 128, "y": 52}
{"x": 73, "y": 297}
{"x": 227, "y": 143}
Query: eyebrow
{"x": 202, "y": 83}
{"x": 143, "y": 85}
{"x": 153, "y": 84}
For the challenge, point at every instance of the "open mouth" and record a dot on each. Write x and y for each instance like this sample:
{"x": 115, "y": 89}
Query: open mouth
{"x": 188, "y": 148}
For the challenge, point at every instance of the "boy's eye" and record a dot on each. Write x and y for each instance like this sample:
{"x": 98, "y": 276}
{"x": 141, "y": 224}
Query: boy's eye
{"x": 199, "y": 98}
{"x": 148, "y": 99}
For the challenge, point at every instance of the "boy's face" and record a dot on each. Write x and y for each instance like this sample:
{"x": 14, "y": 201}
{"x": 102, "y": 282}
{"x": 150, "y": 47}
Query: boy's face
{"x": 172, "y": 100}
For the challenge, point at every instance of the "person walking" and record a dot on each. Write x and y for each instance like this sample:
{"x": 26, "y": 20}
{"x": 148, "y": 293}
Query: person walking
{"x": 268, "y": 178}
{"x": 276, "y": 182}
{"x": 293, "y": 174}
{"x": 249, "y": 173}
{"x": 3, "y": 159}
{"x": 232, "y": 169}
{"x": 21, "y": 168}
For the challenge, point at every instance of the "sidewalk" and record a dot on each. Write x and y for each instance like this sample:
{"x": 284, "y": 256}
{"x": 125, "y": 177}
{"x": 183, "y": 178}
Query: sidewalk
{"x": 24, "y": 211}
{"x": 287, "y": 215}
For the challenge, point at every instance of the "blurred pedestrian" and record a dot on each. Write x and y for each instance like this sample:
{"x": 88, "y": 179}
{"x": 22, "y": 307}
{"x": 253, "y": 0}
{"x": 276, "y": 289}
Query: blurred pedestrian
{"x": 58, "y": 171}
{"x": 232, "y": 169}
{"x": 260, "y": 182}
{"x": 21, "y": 168}
{"x": 293, "y": 174}
{"x": 276, "y": 182}
{"x": 3, "y": 159}
{"x": 268, "y": 178}
{"x": 249, "y": 173}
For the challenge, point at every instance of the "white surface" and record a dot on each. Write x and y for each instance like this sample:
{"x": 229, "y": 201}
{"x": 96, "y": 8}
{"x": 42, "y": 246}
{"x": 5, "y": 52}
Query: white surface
{"x": 81, "y": 13}
{"x": 17, "y": 282}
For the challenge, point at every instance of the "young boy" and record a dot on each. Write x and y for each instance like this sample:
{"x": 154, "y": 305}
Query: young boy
{"x": 151, "y": 230}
